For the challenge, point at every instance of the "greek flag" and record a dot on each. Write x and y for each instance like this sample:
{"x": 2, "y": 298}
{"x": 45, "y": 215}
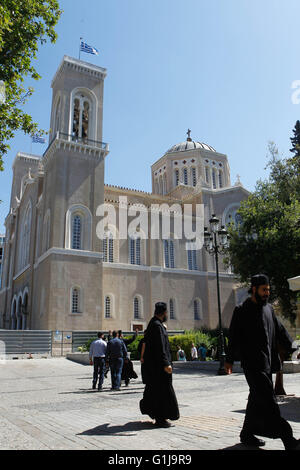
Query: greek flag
{"x": 36, "y": 139}
{"x": 84, "y": 47}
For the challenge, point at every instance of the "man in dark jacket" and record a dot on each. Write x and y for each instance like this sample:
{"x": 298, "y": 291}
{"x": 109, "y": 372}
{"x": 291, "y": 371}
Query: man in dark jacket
{"x": 254, "y": 336}
{"x": 159, "y": 399}
{"x": 116, "y": 353}
{"x": 128, "y": 371}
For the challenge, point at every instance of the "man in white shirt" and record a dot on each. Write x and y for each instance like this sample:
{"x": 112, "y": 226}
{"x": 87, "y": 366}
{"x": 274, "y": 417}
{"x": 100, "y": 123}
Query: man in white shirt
{"x": 194, "y": 353}
{"x": 97, "y": 357}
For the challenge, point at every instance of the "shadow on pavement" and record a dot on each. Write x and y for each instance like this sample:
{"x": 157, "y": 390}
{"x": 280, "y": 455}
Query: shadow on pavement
{"x": 123, "y": 391}
{"x": 193, "y": 370}
{"x": 128, "y": 429}
{"x": 290, "y": 408}
{"x": 240, "y": 446}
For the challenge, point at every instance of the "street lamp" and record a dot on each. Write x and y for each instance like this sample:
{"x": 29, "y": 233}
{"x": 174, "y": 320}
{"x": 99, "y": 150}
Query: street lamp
{"x": 215, "y": 242}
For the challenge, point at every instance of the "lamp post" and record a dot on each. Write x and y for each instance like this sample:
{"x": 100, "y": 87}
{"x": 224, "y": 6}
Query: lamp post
{"x": 215, "y": 242}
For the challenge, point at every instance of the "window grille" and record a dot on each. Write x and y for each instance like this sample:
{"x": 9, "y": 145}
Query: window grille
{"x": 172, "y": 309}
{"x": 136, "y": 308}
{"x": 194, "y": 178}
{"x": 107, "y": 307}
{"x": 75, "y": 300}
{"x": 76, "y": 233}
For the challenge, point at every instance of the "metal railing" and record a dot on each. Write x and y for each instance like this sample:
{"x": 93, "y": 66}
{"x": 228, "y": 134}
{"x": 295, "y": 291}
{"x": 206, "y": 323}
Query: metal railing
{"x": 77, "y": 140}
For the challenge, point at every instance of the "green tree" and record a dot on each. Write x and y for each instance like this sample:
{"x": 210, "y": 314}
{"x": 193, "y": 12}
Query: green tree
{"x": 24, "y": 24}
{"x": 268, "y": 240}
{"x": 296, "y": 140}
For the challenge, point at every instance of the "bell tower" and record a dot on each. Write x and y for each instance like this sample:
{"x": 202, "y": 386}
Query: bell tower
{"x": 73, "y": 188}
{"x": 77, "y": 100}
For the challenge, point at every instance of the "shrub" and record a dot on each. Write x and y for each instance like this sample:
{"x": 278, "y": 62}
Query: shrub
{"x": 133, "y": 348}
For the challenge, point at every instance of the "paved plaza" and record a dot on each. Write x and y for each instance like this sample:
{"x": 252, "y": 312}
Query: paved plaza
{"x": 49, "y": 404}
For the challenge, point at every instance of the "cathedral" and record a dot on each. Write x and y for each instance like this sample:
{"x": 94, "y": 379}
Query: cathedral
{"x": 59, "y": 274}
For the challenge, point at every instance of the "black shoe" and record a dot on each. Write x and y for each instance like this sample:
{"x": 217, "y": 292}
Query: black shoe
{"x": 252, "y": 441}
{"x": 99, "y": 389}
{"x": 294, "y": 446}
{"x": 163, "y": 423}
{"x": 94, "y": 386}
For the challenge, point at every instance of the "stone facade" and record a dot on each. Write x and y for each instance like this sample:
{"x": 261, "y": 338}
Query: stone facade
{"x": 59, "y": 275}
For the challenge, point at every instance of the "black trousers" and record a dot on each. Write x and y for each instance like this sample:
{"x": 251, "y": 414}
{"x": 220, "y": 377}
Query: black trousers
{"x": 262, "y": 413}
{"x": 99, "y": 369}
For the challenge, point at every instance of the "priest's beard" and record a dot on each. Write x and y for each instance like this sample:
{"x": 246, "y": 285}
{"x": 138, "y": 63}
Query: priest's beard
{"x": 261, "y": 300}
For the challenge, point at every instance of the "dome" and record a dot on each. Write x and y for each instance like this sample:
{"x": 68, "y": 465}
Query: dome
{"x": 190, "y": 144}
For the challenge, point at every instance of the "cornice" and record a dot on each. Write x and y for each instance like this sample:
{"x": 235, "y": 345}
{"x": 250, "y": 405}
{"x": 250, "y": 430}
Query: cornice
{"x": 77, "y": 148}
{"x": 80, "y": 66}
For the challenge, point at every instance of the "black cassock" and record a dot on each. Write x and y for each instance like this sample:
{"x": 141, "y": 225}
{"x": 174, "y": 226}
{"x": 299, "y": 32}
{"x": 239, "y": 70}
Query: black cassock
{"x": 254, "y": 336}
{"x": 159, "y": 399}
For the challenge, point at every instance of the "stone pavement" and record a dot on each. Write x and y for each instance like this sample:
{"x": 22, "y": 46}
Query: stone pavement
{"x": 49, "y": 404}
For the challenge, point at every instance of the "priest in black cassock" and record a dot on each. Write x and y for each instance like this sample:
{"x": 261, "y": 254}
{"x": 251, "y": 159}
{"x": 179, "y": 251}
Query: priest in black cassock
{"x": 159, "y": 399}
{"x": 255, "y": 336}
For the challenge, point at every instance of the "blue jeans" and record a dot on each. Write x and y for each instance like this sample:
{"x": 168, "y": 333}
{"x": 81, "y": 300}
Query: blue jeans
{"x": 116, "y": 366}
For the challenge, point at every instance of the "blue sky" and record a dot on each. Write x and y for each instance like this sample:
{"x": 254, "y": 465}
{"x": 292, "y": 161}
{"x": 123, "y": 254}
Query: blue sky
{"x": 223, "y": 68}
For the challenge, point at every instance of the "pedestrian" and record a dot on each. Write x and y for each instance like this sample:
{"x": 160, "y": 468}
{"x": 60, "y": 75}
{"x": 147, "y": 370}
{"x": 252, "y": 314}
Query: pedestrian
{"x": 254, "y": 335}
{"x": 159, "y": 399}
{"x": 141, "y": 351}
{"x": 202, "y": 351}
{"x": 194, "y": 353}
{"x": 180, "y": 354}
{"x": 116, "y": 353}
{"x": 108, "y": 338}
{"x": 97, "y": 358}
{"x": 128, "y": 371}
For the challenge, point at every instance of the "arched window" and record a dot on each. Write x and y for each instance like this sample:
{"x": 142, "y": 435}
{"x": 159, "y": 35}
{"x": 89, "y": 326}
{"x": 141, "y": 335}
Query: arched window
{"x": 194, "y": 176}
{"x": 24, "y": 242}
{"x": 207, "y": 174}
{"x": 25, "y": 310}
{"x": 108, "y": 247}
{"x": 26, "y": 235}
{"x": 220, "y": 179}
{"x": 160, "y": 185}
{"x": 192, "y": 260}
{"x": 85, "y": 120}
{"x": 136, "y": 308}
{"x": 197, "y": 309}
{"x": 214, "y": 182}
{"x": 46, "y": 232}
{"x": 169, "y": 254}
{"x": 19, "y": 314}
{"x": 172, "y": 309}
{"x": 76, "y": 232}
{"x": 75, "y": 300}
{"x": 164, "y": 184}
{"x": 81, "y": 117}
{"x": 185, "y": 176}
{"x": 13, "y": 325}
{"x": 78, "y": 235}
{"x": 38, "y": 235}
{"x": 57, "y": 116}
{"x": 107, "y": 306}
{"x": 135, "y": 250}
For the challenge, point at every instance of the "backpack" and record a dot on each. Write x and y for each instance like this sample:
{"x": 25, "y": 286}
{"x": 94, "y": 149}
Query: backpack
{"x": 181, "y": 354}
